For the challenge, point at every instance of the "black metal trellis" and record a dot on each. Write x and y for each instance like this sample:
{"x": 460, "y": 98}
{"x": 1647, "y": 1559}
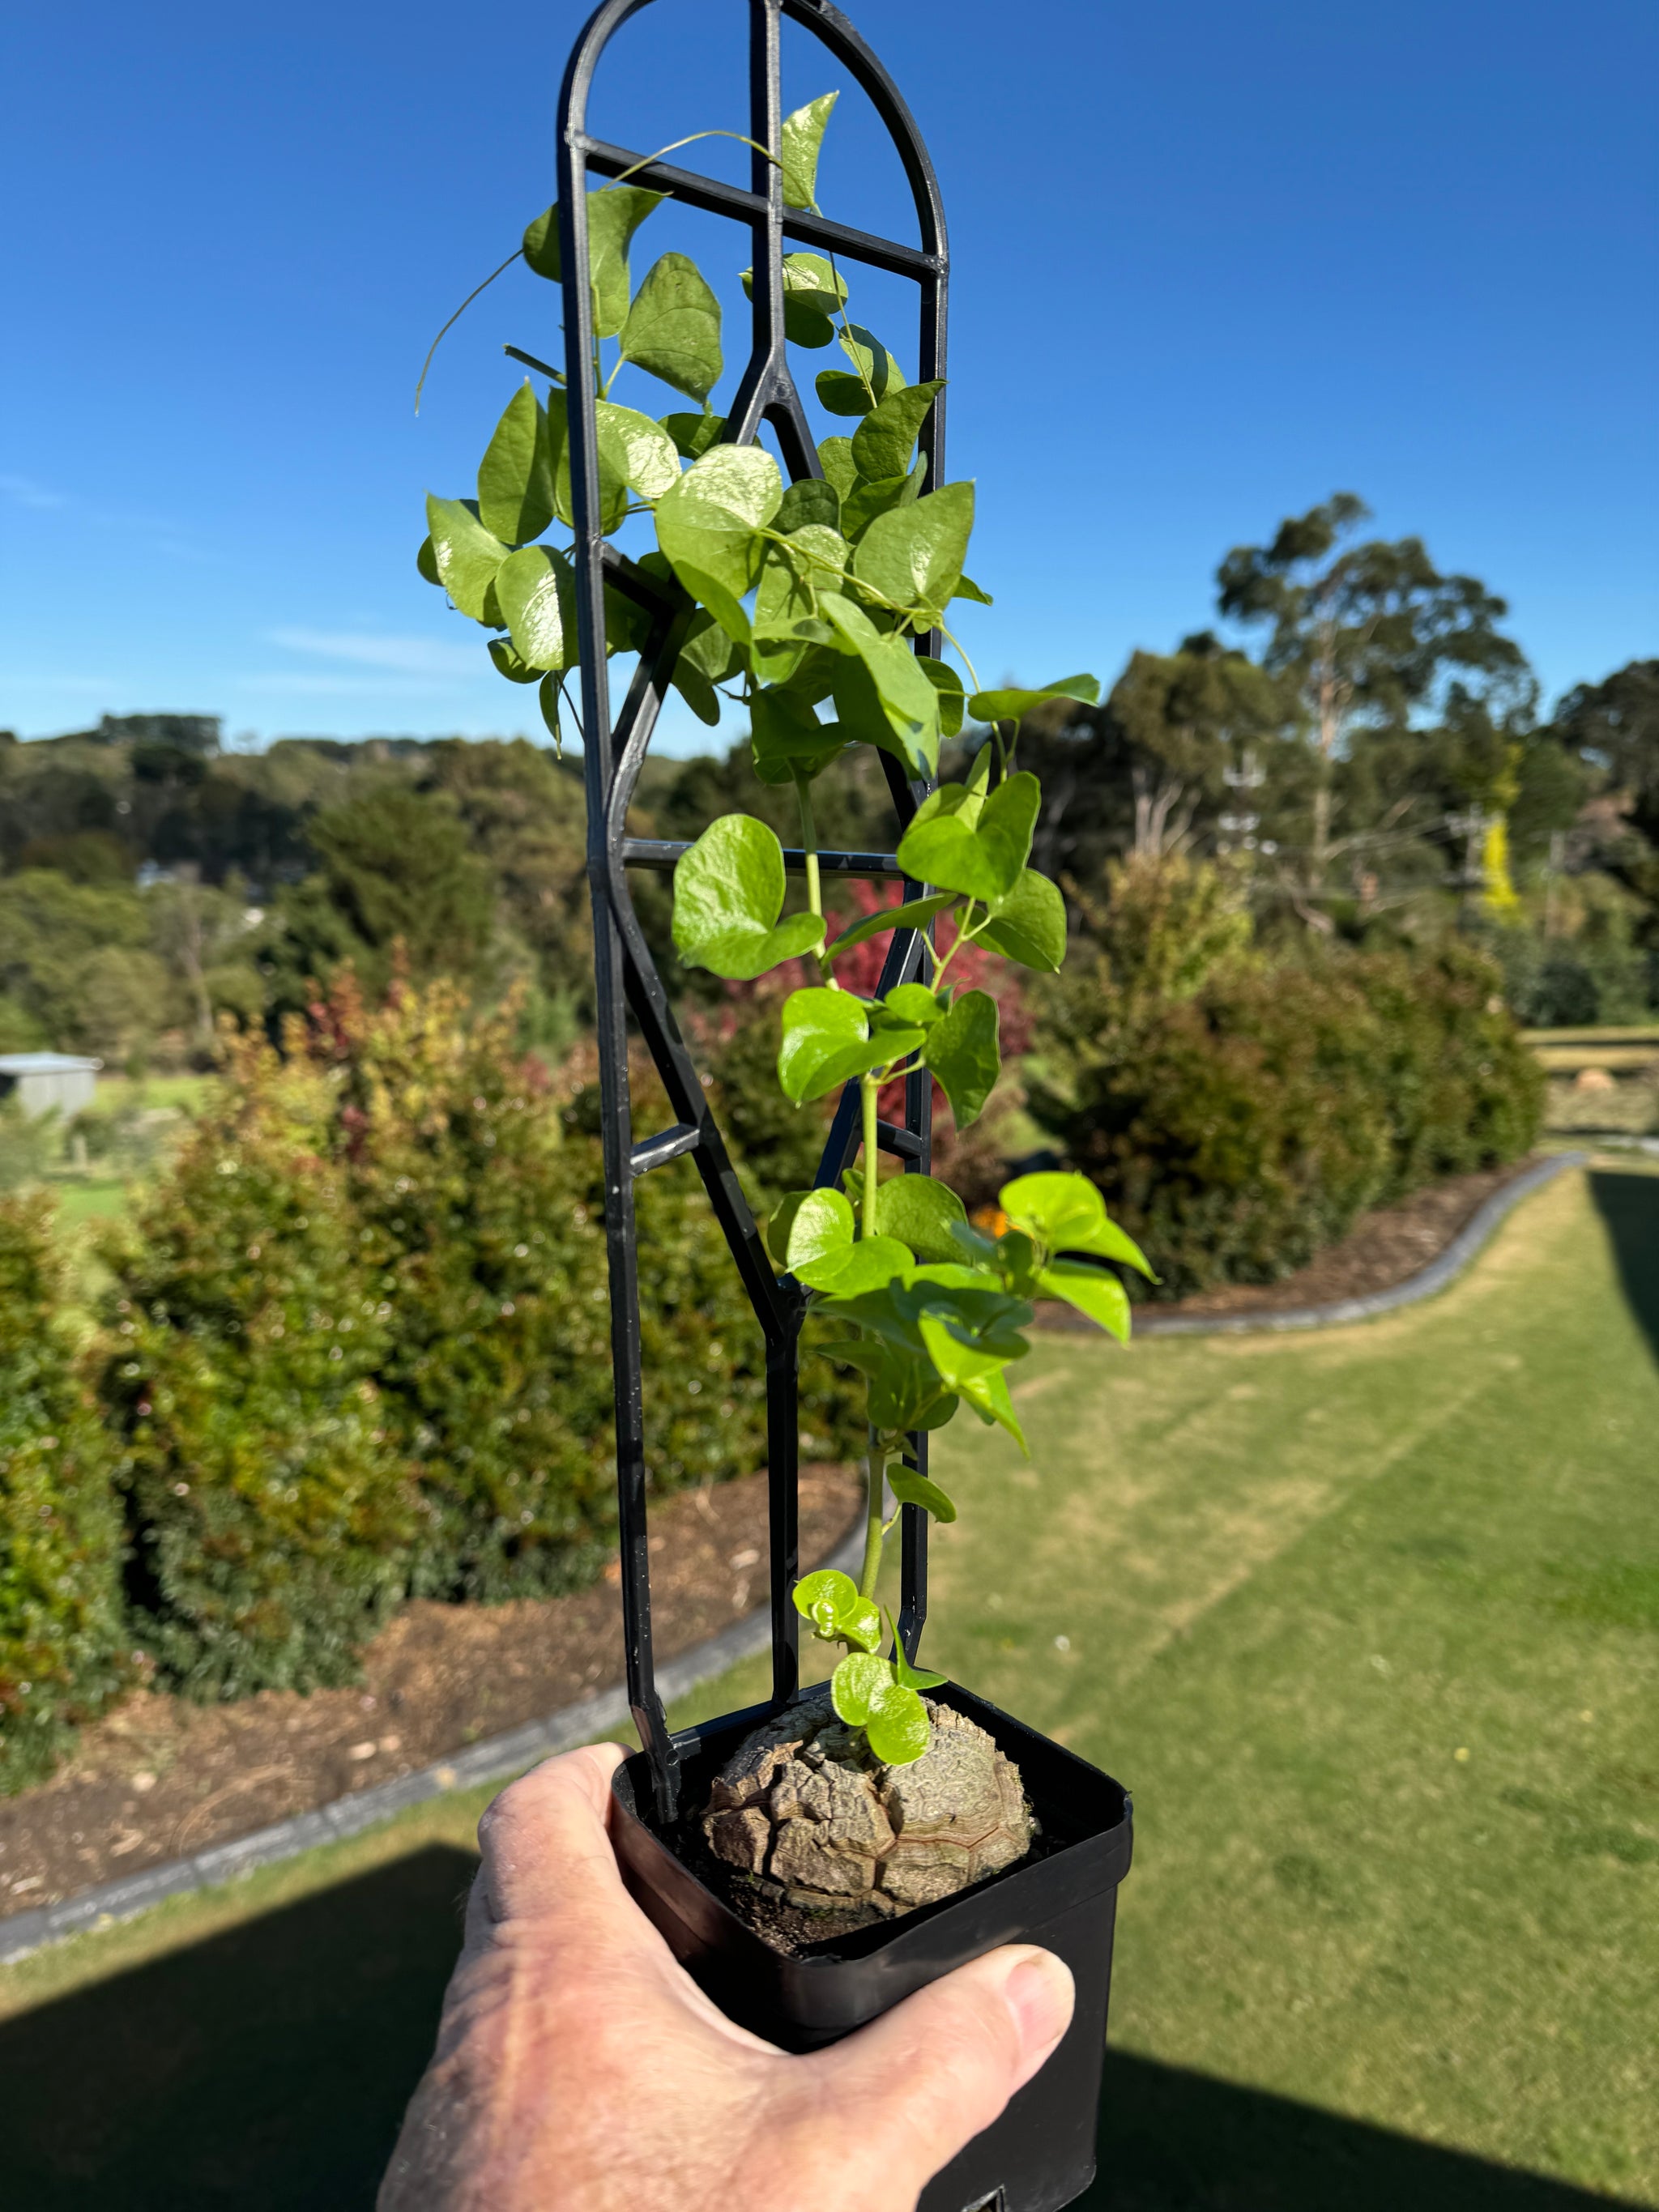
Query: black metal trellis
{"x": 613, "y": 753}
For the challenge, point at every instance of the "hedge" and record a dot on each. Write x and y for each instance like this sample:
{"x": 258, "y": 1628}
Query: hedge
{"x": 61, "y": 1633}
{"x": 1237, "y": 1131}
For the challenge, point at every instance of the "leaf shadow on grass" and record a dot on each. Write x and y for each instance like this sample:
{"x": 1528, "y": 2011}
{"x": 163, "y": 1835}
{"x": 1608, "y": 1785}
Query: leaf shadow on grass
{"x": 267, "y": 2068}
{"x": 1629, "y": 1206}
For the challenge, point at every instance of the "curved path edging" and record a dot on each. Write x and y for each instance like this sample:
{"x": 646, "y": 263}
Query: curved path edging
{"x": 494, "y": 1760}
{"x": 1442, "y": 1269}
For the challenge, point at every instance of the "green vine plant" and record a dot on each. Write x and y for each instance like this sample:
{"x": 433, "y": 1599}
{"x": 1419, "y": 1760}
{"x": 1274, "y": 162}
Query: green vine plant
{"x": 808, "y": 596}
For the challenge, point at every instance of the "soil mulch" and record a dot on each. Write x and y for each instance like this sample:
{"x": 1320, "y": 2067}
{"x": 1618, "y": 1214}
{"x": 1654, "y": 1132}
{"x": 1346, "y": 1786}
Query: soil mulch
{"x": 158, "y": 1778}
{"x": 1382, "y": 1249}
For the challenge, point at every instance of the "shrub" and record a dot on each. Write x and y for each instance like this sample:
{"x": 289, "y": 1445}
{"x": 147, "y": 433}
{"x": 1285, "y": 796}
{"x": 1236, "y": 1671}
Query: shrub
{"x": 1236, "y": 1131}
{"x": 271, "y": 1518}
{"x": 61, "y": 1640}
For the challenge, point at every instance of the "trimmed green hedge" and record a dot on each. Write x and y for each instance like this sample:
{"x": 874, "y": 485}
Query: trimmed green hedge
{"x": 1235, "y": 1133}
{"x": 62, "y": 1641}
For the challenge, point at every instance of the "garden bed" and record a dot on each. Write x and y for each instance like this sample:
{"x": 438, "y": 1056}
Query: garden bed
{"x": 159, "y": 1777}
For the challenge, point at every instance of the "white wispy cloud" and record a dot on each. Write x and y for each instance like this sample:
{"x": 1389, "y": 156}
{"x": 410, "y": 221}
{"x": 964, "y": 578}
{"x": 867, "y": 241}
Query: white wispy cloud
{"x": 27, "y": 493}
{"x": 428, "y": 658}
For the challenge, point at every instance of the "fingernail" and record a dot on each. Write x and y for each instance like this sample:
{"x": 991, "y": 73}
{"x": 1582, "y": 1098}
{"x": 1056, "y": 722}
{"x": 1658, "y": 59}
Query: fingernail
{"x": 1039, "y": 1994}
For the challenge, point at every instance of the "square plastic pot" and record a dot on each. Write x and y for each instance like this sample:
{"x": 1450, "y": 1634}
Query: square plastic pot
{"x": 1040, "y": 2154}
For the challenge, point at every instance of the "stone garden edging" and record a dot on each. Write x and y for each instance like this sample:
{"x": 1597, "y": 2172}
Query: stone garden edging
{"x": 494, "y": 1760}
{"x": 1442, "y": 1270}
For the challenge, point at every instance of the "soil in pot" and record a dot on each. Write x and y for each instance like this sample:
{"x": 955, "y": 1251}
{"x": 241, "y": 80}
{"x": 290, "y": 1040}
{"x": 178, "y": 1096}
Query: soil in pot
{"x": 807, "y": 1835}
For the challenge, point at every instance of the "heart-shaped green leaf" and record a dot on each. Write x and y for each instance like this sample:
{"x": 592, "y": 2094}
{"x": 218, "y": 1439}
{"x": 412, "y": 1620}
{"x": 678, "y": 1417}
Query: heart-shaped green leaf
{"x": 857, "y": 1684}
{"x": 821, "y": 1224}
{"x": 908, "y": 702}
{"x": 886, "y": 438}
{"x": 968, "y": 589}
{"x": 708, "y": 522}
{"x": 673, "y": 327}
{"x": 426, "y": 560}
{"x": 535, "y": 591}
{"x": 836, "y": 459}
{"x": 830, "y": 1601}
{"x": 1066, "y": 1213}
{"x": 865, "y": 1266}
{"x": 1028, "y": 924}
{"x": 801, "y": 144}
{"x": 638, "y": 449}
{"x": 917, "y": 913}
{"x": 962, "y": 1051}
{"x": 919, "y": 1211}
{"x": 1010, "y": 705}
{"x": 867, "y": 502}
{"x": 787, "y": 737}
{"x": 811, "y": 499}
{"x": 728, "y": 895}
{"x": 827, "y": 1040}
{"x": 945, "y": 681}
{"x": 693, "y": 434}
{"x": 898, "y": 1729}
{"x": 912, "y": 1489}
{"x": 878, "y": 373}
{"x": 465, "y": 554}
{"x": 1092, "y": 1290}
{"x": 515, "y": 476}
{"x": 791, "y": 575}
{"x": 615, "y": 212}
{"x": 983, "y": 858}
{"x": 913, "y": 554}
{"x": 813, "y": 296}
{"x": 511, "y": 664}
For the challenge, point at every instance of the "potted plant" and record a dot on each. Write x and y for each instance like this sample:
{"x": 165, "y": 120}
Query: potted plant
{"x": 816, "y": 1860}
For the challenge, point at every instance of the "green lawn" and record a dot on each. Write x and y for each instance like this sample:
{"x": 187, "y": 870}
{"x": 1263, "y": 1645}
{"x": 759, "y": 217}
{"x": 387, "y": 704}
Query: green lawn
{"x": 1368, "y": 1620}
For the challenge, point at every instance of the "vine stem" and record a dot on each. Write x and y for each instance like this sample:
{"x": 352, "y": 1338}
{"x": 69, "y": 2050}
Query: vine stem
{"x": 809, "y": 838}
{"x": 874, "y": 1533}
{"x": 870, "y": 1093}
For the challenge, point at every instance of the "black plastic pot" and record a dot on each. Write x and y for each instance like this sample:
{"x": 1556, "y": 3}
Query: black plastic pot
{"x": 1040, "y": 2154}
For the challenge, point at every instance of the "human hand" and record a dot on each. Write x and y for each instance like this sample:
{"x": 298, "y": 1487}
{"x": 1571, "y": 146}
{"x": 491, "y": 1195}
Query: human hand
{"x": 579, "y": 2067}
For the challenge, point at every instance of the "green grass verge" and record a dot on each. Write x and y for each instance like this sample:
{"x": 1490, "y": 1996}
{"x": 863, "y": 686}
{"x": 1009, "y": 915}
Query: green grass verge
{"x": 1369, "y": 1621}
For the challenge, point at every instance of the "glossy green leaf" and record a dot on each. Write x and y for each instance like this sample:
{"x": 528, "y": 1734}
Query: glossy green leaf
{"x": 673, "y": 327}
{"x": 982, "y": 857}
{"x": 915, "y": 915}
{"x": 962, "y": 1052}
{"x": 886, "y": 438}
{"x": 831, "y": 1602}
{"x": 836, "y": 459}
{"x": 792, "y": 575}
{"x": 548, "y": 700}
{"x": 908, "y": 702}
{"x": 912, "y": 1005}
{"x": 1066, "y": 1213}
{"x": 706, "y": 524}
{"x": 535, "y": 591}
{"x": 913, "y": 554}
{"x": 787, "y": 737}
{"x": 1011, "y": 706}
{"x": 906, "y": 1676}
{"x": 856, "y": 1684}
{"x": 614, "y": 214}
{"x": 512, "y": 665}
{"x": 693, "y": 434}
{"x": 968, "y": 589}
{"x": 827, "y": 1040}
{"x": 465, "y": 554}
{"x": 1028, "y": 924}
{"x": 515, "y": 476}
{"x": 1092, "y": 1290}
{"x": 800, "y": 146}
{"x": 945, "y": 681}
{"x": 821, "y": 1223}
{"x": 728, "y": 895}
{"x": 813, "y": 296}
{"x": 613, "y": 491}
{"x": 639, "y": 451}
{"x": 812, "y": 500}
{"x": 865, "y": 1266}
{"x": 861, "y": 506}
{"x": 898, "y": 1729}
{"x": 918, "y": 1211}
{"x": 912, "y": 1489}
{"x": 427, "y": 562}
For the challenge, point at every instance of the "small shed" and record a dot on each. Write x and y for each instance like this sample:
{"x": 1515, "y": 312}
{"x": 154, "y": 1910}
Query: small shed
{"x": 43, "y": 1081}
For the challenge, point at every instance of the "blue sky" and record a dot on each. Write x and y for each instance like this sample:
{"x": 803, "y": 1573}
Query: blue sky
{"x": 1211, "y": 264}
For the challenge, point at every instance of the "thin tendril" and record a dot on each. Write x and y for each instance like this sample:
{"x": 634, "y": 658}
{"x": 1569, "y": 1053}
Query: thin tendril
{"x": 517, "y": 254}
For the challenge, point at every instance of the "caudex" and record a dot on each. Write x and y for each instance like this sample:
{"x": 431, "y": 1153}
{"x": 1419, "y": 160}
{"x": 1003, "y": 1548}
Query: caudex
{"x": 807, "y": 596}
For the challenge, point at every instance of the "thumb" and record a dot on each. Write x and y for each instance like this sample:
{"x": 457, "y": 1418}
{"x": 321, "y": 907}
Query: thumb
{"x": 974, "y": 2036}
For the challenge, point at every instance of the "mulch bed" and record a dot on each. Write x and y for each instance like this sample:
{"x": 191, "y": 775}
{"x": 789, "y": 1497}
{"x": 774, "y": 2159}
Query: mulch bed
{"x": 1384, "y": 1248}
{"x": 158, "y": 1778}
